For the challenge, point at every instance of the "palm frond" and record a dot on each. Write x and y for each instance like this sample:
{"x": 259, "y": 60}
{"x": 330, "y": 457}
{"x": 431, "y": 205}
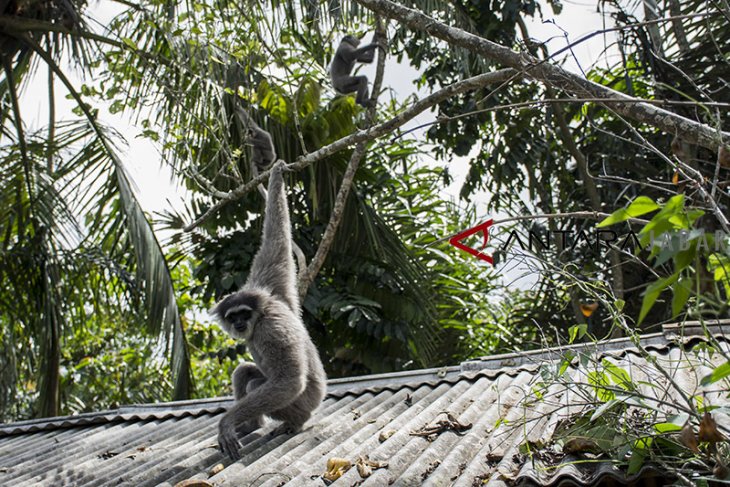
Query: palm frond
{"x": 163, "y": 314}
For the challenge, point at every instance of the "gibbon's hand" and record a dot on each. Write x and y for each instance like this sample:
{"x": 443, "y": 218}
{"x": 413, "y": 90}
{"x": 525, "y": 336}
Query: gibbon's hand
{"x": 280, "y": 165}
{"x": 228, "y": 439}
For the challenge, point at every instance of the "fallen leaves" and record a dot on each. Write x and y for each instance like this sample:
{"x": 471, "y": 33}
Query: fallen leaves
{"x": 193, "y": 483}
{"x": 431, "y": 467}
{"x": 215, "y": 469}
{"x": 431, "y": 431}
{"x": 337, "y": 467}
{"x": 581, "y": 445}
{"x": 385, "y": 434}
{"x": 708, "y": 433}
{"x": 365, "y": 466}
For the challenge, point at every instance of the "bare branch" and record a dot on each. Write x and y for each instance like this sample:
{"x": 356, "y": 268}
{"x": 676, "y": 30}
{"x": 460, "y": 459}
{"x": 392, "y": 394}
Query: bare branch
{"x": 338, "y": 210}
{"x": 684, "y": 128}
{"x": 387, "y": 127}
{"x": 589, "y": 184}
{"x": 558, "y": 101}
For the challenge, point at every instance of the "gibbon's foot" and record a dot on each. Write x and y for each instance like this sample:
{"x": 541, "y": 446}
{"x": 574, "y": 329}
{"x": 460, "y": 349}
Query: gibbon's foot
{"x": 286, "y": 429}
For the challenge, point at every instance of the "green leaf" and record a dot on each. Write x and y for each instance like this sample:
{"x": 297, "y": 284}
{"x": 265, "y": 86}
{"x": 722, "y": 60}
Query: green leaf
{"x": 129, "y": 42}
{"x": 577, "y": 332}
{"x": 640, "y": 206}
{"x": 567, "y": 359}
{"x": 667, "y": 427}
{"x": 163, "y": 313}
{"x": 618, "y": 375}
{"x": 603, "y": 408}
{"x": 643, "y": 443}
{"x": 660, "y": 223}
{"x": 600, "y": 383}
{"x": 718, "y": 374}
{"x": 682, "y": 290}
{"x": 636, "y": 461}
{"x": 652, "y": 293}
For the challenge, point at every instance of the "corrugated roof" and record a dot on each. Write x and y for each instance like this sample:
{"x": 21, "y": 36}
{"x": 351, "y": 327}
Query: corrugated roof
{"x": 162, "y": 444}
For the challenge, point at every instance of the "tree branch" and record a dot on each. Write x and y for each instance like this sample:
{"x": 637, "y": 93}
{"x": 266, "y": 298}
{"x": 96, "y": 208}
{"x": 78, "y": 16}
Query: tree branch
{"x": 684, "y": 128}
{"x": 562, "y": 101}
{"x": 328, "y": 237}
{"x": 387, "y": 127}
{"x": 565, "y": 134}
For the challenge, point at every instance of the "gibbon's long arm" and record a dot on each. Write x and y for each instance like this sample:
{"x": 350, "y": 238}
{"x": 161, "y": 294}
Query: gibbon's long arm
{"x": 273, "y": 266}
{"x": 351, "y": 54}
{"x": 361, "y": 51}
{"x": 301, "y": 260}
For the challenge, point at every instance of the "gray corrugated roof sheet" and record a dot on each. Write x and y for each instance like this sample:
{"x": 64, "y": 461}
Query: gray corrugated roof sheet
{"x": 162, "y": 444}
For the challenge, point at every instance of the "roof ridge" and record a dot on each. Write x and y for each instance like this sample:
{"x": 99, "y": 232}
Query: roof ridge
{"x": 671, "y": 334}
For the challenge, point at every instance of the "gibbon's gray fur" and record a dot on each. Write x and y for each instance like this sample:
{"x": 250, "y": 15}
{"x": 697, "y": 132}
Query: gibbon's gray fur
{"x": 347, "y": 54}
{"x": 298, "y": 253}
{"x": 287, "y": 381}
{"x": 263, "y": 154}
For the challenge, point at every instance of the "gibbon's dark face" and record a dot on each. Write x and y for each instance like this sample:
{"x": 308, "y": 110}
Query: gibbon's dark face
{"x": 238, "y": 313}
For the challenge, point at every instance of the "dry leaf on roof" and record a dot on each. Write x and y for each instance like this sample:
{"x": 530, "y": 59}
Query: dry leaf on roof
{"x": 336, "y": 468}
{"x": 431, "y": 467}
{"x": 385, "y": 434}
{"x": 431, "y": 431}
{"x": 708, "y": 430}
{"x": 494, "y": 458}
{"x": 215, "y": 469}
{"x": 193, "y": 483}
{"x": 365, "y": 466}
{"x": 687, "y": 437}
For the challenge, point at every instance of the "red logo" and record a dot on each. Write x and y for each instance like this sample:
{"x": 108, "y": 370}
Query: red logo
{"x": 484, "y": 228}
